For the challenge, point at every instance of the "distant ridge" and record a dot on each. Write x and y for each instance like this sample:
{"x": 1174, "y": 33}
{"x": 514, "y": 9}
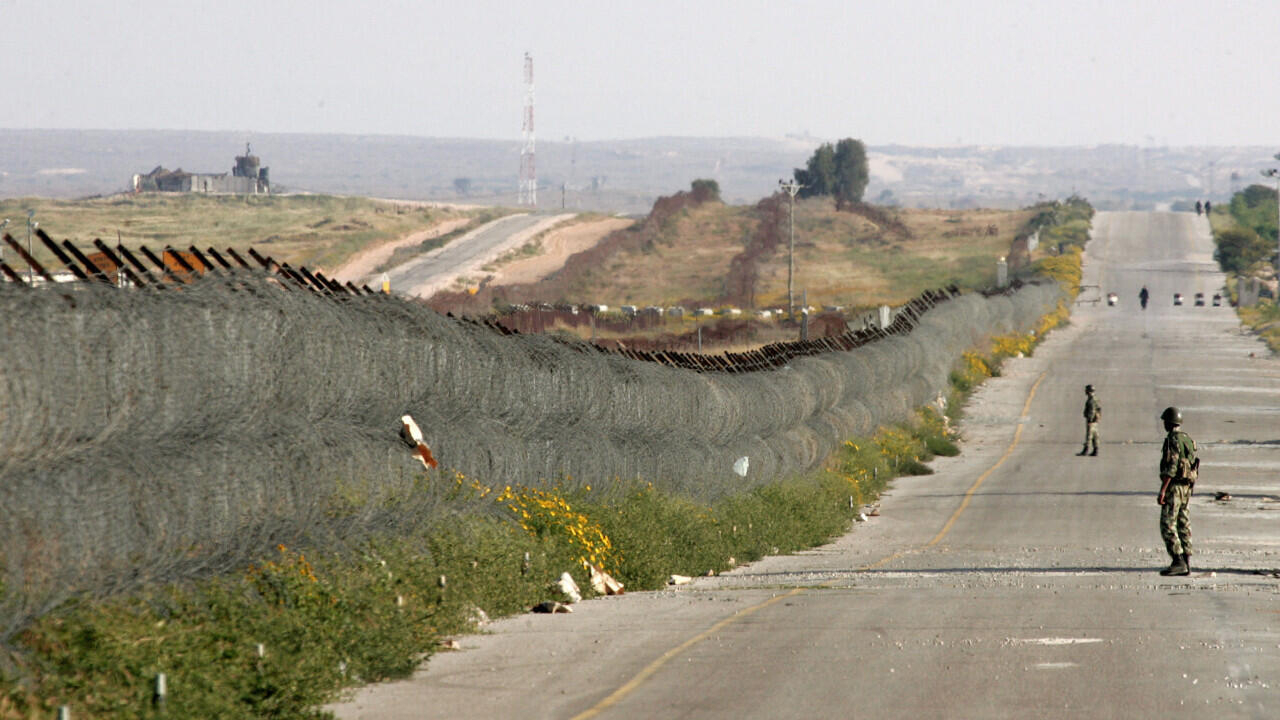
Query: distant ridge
{"x": 619, "y": 175}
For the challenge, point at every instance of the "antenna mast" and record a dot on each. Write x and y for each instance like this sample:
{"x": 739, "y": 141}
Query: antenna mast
{"x": 528, "y": 170}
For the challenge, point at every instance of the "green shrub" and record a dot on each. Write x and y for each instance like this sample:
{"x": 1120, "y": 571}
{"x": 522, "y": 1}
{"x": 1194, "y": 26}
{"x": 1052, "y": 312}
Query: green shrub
{"x": 705, "y": 190}
{"x": 1239, "y": 248}
{"x": 1255, "y": 208}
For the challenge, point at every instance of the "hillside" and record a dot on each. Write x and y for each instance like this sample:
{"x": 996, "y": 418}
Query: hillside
{"x": 709, "y": 253}
{"x": 848, "y": 259}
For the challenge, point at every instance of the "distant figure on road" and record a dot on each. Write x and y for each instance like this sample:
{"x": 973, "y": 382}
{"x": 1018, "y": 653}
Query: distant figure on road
{"x": 1199, "y": 207}
{"x": 1179, "y": 468}
{"x": 1092, "y": 414}
{"x": 1207, "y": 207}
{"x": 1143, "y": 296}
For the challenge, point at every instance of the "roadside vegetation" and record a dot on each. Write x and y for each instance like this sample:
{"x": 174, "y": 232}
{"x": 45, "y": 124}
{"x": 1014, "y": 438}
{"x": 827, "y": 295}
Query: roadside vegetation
{"x": 318, "y": 231}
{"x": 1062, "y": 223}
{"x": 1244, "y": 233}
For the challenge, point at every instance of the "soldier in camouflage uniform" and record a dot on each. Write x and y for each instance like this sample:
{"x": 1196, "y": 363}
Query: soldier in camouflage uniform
{"x": 1178, "y": 469}
{"x": 1092, "y": 414}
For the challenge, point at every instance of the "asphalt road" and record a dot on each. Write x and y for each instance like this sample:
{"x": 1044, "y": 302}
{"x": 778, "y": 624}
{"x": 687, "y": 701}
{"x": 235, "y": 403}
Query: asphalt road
{"x": 431, "y": 272}
{"x": 1019, "y": 581}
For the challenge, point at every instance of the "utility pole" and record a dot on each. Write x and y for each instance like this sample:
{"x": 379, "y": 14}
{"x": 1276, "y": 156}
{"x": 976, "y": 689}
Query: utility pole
{"x": 30, "y": 270}
{"x": 1275, "y": 173}
{"x": 3, "y": 225}
{"x": 528, "y": 167}
{"x": 791, "y": 187}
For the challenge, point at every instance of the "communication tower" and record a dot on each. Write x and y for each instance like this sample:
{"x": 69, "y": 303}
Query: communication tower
{"x": 528, "y": 170}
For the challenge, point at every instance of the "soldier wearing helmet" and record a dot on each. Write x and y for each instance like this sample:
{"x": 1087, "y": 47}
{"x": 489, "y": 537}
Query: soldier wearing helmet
{"x": 1092, "y": 414}
{"x": 1179, "y": 468}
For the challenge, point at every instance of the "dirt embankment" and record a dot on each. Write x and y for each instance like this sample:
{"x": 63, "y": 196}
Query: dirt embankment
{"x": 882, "y": 218}
{"x": 555, "y": 286}
{"x": 740, "y": 283}
{"x": 744, "y": 272}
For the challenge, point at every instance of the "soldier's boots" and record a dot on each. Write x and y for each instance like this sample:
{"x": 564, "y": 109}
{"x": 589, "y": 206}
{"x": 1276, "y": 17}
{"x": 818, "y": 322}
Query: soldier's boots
{"x": 1084, "y": 450}
{"x": 1186, "y": 560}
{"x": 1095, "y": 451}
{"x": 1178, "y": 567}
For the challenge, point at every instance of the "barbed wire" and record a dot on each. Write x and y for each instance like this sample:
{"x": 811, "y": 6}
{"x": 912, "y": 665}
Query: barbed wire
{"x": 156, "y": 435}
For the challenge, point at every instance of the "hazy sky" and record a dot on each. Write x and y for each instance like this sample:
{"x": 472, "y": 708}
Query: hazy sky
{"x": 917, "y": 73}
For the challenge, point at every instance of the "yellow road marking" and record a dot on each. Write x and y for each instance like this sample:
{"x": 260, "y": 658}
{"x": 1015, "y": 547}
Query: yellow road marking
{"x": 1017, "y": 435}
{"x": 653, "y": 667}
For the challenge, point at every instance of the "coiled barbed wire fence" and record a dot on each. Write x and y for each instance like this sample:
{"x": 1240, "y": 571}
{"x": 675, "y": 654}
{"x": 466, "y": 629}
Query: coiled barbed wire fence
{"x": 154, "y": 435}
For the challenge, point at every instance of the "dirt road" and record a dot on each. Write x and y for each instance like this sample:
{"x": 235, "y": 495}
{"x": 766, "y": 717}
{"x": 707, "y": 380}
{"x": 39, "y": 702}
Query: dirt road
{"x": 361, "y": 265}
{"x": 557, "y": 246}
{"x": 436, "y": 270}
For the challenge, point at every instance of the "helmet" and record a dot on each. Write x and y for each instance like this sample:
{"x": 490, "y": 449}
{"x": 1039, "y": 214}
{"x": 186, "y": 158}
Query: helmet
{"x": 1088, "y": 388}
{"x": 1171, "y": 416}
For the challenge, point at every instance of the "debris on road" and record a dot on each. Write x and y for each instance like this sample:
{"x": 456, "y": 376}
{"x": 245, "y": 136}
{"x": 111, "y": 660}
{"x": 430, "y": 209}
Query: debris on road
{"x": 477, "y": 616}
{"x": 551, "y": 606}
{"x": 450, "y": 644}
{"x": 568, "y": 588}
{"x": 602, "y": 582}
{"x": 1220, "y": 495}
{"x": 679, "y": 580}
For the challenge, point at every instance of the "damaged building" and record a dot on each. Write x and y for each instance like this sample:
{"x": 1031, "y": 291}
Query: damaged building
{"x": 247, "y": 177}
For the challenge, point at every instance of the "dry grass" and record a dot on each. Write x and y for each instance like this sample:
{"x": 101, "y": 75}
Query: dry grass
{"x": 844, "y": 259}
{"x": 319, "y": 231}
{"x": 841, "y": 258}
{"x": 690, "y": 260}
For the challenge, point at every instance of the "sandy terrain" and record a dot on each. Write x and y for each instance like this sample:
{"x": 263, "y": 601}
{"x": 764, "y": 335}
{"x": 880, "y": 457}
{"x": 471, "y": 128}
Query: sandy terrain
{"x": 557, "y": 246}
{"x": 362, "y": 263}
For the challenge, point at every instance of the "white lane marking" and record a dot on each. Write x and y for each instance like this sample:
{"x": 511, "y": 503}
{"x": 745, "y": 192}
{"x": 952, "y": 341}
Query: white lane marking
{"x": 1056, "y": 665}
{"x": 1025, "y": 569}
{"x": 1215, "y": 445}
{"x": 1243, "y": 464}
{"x": 1229, "y": 409}
{"x": 1057, "y": 641}
{"x": 1224, "y": 388}
{"x": 1247, "y": 540}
